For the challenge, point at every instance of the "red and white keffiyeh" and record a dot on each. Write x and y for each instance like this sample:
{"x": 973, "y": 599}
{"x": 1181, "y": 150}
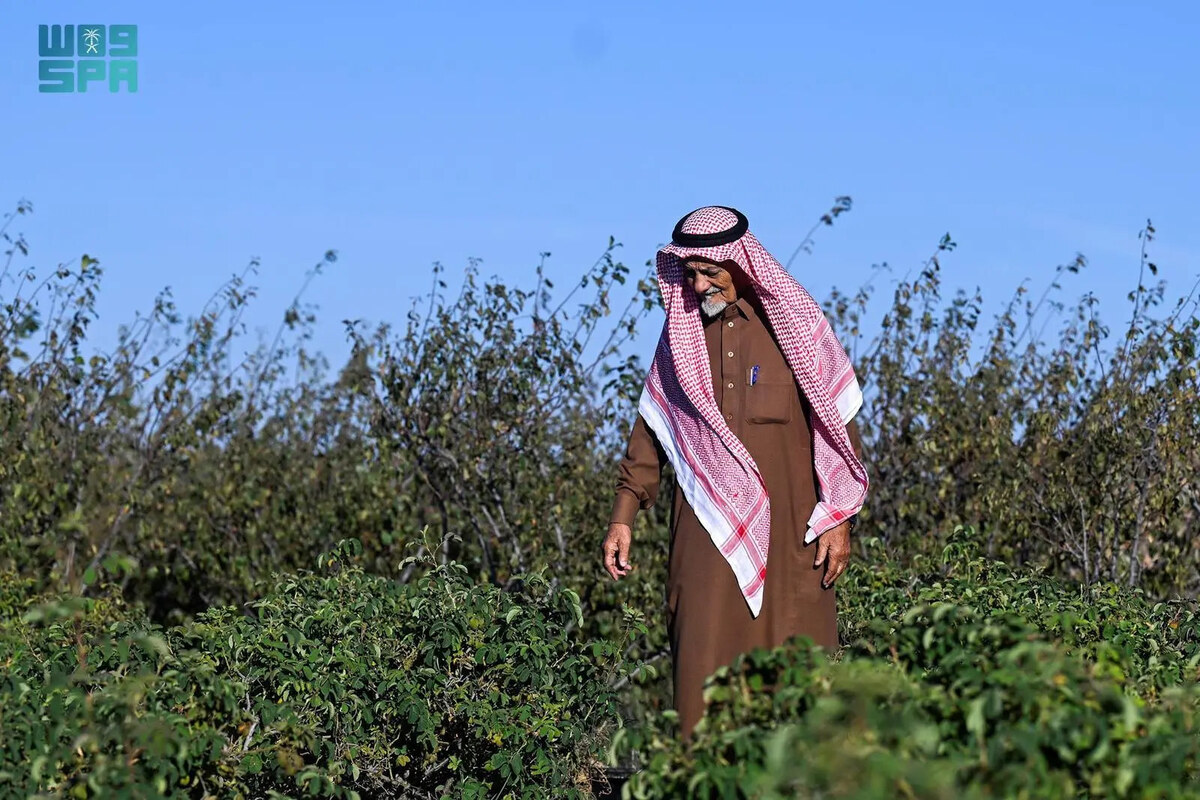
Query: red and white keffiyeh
{"x": 718, "y": 476}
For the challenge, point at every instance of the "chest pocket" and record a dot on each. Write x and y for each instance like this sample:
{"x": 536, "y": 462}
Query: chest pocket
{"x": 770, "y": 403}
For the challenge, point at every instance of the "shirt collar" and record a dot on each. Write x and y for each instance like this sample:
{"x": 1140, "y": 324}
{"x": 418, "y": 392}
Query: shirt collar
{"x": 740, "y": 307}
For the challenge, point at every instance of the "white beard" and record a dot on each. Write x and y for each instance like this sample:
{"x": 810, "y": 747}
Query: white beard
{"x": 712, "y": 305}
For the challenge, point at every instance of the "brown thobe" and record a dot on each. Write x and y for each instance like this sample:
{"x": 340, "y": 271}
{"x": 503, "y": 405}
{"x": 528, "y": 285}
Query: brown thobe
{"x": 708, "y": 620}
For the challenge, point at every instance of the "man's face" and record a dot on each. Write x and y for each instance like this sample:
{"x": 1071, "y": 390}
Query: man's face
{"x": 714, "y": 283}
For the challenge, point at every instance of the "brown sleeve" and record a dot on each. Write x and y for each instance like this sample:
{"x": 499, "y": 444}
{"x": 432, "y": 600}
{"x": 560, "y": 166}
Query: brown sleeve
{"x": 638, "y": 474}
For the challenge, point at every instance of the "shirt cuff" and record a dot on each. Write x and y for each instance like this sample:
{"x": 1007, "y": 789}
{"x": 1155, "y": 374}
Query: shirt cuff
{"x": 625, "y": 508}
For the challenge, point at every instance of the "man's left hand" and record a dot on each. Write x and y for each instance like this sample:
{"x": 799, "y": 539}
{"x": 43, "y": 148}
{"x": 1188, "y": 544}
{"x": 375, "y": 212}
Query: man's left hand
{"x": 833, "y": 550}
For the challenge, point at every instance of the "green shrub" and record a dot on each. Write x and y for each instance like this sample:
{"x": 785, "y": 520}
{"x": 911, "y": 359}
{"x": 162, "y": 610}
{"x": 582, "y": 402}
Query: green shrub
{"x": 788, "y": 723}
{"x": 967, "y": 678}
{"x": 184, "y": 477}
{"x": 93, "y": 704}
{"x": 958, "y": 704}
{"x": 341, "y": 684}
{"x": 186, "y": 473}
{"x": 1147, "y": 646}
{"x": 1064, "y": 437}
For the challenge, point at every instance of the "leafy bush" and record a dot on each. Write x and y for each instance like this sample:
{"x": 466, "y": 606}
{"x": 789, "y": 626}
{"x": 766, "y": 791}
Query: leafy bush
{"x": 187, "y": 474}
{"x": 93, "y": 704}
{"x": 183, "y": 479}
{"x": 973, "y": 680}
{"x": 967, "y": 707}
{"x": 1069, "y": 451}
{"x": 788, "y": 723}
{"x": 1146, "y": 645}
{"x": 341, "y": 684}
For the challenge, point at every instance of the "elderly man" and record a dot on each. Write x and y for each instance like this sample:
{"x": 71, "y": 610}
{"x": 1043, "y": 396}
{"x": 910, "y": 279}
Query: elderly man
{"x": 750, "y": 397}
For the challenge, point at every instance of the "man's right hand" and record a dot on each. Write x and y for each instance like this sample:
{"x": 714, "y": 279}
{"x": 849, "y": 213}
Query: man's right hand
{"x": 616, "y": 550}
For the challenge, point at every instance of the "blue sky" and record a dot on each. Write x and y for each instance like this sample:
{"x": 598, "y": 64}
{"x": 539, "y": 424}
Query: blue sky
{"x": 401, "y": 134}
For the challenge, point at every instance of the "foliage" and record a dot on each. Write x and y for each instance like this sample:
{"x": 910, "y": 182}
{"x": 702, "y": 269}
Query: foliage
{"x": 341, "y": 684}
{"x": 188, "y": 476}
{"x": 1071, "y": 452}
{"x": 1146, "y": 645}
{"x": 956, "y": 685}
{"x": 148, "y": 492}
{"x": 505, "y": 414}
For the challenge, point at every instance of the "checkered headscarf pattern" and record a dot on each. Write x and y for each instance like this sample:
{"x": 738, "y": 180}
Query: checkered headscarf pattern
{"x": 717, "y": 474}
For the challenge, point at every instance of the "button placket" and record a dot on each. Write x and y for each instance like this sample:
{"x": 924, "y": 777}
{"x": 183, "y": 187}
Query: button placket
{"x": 732, "y": 404}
